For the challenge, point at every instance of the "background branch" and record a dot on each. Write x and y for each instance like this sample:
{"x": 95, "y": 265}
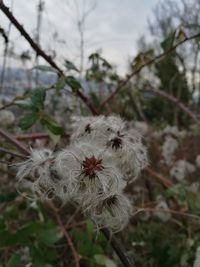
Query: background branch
{"x": 148, "y": 63}
{"x": 41, "y": 53}
{"x": 11, "y": 139}
{"x": 174, "y": 100}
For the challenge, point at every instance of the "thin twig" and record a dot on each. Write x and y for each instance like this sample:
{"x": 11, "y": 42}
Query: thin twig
{"x": 41, "y": 53}
{"x": 72, "y": 217}
{"x": 181, "y": 213}
{"x": 13, "y": 153}
{"x": 33, "y": 136}
{"x": 14, "y": 141}
{"x": 4, "y": 162}
{"x": 117, "y": 248}
{"x": 7, "y": 172}
{"x": 73, "y": 225}
{"x": 166, "y": 182}
{"x": 149, "y": 62}
{"x": 65, "y": 233}
{"x": 11, "y": 103}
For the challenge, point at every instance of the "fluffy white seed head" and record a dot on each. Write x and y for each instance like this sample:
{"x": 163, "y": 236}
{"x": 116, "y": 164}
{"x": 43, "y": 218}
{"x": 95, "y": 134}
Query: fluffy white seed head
{"x": 92, "y": 171}
{"x": 36, "y": 164}
{"x": 88, "y": 170}
{"x": 197, "y": 257}
{"x": 113, "y": 212}
{"x": 162, "y": 209}
{"x": 39, "y": 171}
{"x": 129, "y": 152}
{"x": 7, "y": 117}
{"x": 181, "y": 169}
{"x": 168, "y": 149}
{"x": 96, "y": 129}
{"x": 198, "y": 161}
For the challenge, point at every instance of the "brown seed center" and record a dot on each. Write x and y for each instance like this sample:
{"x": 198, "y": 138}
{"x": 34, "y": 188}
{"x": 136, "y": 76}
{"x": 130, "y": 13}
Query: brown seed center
{"x": 91, "y": 165}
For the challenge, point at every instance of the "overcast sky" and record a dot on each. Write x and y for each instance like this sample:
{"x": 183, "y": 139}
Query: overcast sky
{"x": 113, "y": 26}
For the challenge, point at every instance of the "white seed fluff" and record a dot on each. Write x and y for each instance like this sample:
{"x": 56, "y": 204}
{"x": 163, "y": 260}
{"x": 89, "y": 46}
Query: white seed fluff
{"x": 92, "y": 171}
{"x": 181, "y": 168}
{"x": 169, "y": 147}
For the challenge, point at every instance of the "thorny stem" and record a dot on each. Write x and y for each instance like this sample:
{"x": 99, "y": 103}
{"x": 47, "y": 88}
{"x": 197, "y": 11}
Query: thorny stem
{"x": 41, "y": 53}
{"x": 115, "y": 245}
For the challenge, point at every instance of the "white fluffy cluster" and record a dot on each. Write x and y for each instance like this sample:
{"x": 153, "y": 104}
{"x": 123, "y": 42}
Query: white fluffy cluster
{"x": 162, "y": 209}
{"x": 93, "y": 171}
{"x": 198, "y": 161}
{"x": 170, "y": 130}
{"x": 181, "y": 169}
{"x": 7, "y": 117}
{"x": 169, "y": 147}
{"x": 197, "y": 258}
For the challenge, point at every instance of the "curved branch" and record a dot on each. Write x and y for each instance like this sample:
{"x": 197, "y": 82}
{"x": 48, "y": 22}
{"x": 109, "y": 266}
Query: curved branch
{"x": 41, "y": 53}
{"x": 11, "y": 139}
{"x": 148, "y": 63}
{"x": 174, "y": 100}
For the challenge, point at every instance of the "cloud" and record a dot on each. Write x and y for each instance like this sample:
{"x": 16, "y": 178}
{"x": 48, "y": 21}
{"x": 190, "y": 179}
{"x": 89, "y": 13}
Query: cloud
{"x": 113, "y": 25}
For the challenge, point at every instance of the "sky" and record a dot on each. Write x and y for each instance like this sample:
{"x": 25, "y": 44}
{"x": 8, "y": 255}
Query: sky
{"x": 112, "y": 26}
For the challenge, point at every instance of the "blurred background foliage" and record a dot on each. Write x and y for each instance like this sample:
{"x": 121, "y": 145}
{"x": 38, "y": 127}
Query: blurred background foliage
{"x": 37, "y": 108}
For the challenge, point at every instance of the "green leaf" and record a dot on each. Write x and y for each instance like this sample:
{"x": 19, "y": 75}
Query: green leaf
{"x": 180, "y": 35}
{"x": 90, "y": 227}
{"x": 94, "y": 56}
{"x": 137, "y": 62}
{"x": 168, "y": 42}
{"x": 42, "y": 255}
{"x": 14, "y": 260}
{"x": 104, "y": 260}
{"x": 114, "y": 77}
{"x": 60, "y": 84}
{"x": 28, "y": 120}
{"x": 106, "y": 63}
{"x": 37, "y": 257}
{"x": 7, "y": 197}
{"x": 54, "y": 137}
{"x": 7, "y": 238}
{"x": 197, "y": 38}
{"x": 70, "y": 66}
{"x": 49, "y": 236}
{"x": 25, "y": 104}
{"x": 30, "y": 228}
{"x": 38, "y": 98}
{"x": 45, "y": 68}
{"x": 193, "y": 202}
{"x": 148, "y": 55}
{"x": 51, "y": 125}
{"x": 73, "y": 83}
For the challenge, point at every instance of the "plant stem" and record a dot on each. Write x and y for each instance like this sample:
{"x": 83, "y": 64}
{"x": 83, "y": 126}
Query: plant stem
{"x": 117, "y": 248}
